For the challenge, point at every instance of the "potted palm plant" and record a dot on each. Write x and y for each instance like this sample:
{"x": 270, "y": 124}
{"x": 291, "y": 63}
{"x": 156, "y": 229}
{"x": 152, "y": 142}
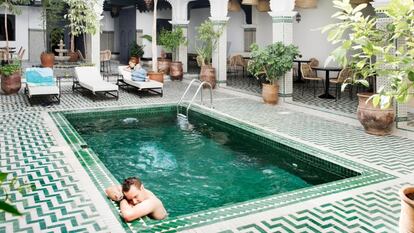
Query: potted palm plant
{"x": 360, "y": 43}
{"x": 271, "y": 62}
{"x": 136, "y": 51}
{"x": 208, "y": 36}
{"x": 83, "y": 19}
{"x": 154, "y": 74}
{"x": 171, "y": 40}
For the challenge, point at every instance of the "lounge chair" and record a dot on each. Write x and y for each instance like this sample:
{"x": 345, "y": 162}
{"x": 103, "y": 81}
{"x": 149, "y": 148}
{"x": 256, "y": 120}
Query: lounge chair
{"x": 126, "y": 81}
{"x": 40, "y": 82}
{"x": 89, "y": 78}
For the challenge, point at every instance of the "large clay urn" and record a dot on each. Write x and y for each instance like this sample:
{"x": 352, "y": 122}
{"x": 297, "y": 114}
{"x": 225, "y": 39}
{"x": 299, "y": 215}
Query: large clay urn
{"x": 11, "y": 84}
{"x": 164, "y": 65}
{"x": 270, "y": 93}
{"x": 375, "y": 120}
{"x": 208, "y": 74}
{"x": 176, "y": 70}
{"x": 47, "y": 59}
{"x": 407, "y": 210}
{"x": 156, "y": 76}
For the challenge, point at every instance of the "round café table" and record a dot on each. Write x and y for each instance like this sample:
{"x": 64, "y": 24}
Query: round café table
{"x": 327, "y": 69}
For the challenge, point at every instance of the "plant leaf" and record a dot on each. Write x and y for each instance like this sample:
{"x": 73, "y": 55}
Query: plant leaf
{"x": 9, "y": 208}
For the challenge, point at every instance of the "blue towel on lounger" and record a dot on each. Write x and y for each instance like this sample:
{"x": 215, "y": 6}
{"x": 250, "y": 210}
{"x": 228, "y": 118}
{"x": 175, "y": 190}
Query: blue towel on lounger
{"x": 139, "y": 75}
{"x": 40, "y": 77}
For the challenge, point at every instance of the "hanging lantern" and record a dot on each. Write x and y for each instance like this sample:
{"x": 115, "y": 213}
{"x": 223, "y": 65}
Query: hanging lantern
{"x": 250, "y": 2}
{"x": 263, "y": 5}
{"x": 233, "y": 6}
{"x": 148, "y": 3}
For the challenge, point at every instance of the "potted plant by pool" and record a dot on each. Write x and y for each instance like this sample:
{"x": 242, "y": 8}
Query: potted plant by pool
{"x": 51, "y": 15}
{"x": 11, "y": 77}
{"x": 154, "y": 74}
{"x": 171, "y": 40}
{"x": 136, "y": 51}
{"x": 271, "y": 62}
{"x": 208, "y": 36}
{"x": 84, "y": 18}
{"x": 360, "y": 43}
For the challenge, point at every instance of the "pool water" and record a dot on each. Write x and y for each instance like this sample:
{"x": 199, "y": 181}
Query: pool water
{"x": 198, "y": 166}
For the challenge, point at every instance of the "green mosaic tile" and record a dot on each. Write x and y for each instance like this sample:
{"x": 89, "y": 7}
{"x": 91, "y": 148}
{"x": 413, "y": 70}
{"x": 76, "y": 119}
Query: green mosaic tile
{"x": 102, "y": 177}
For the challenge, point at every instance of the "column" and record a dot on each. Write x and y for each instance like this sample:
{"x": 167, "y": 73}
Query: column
{"x": 218, "y": 11}
{"x": 179, "y": 20}
{"x": 382, "y": 81}
{"x": 93, "y": 42}
{"x": 282, "y": 16}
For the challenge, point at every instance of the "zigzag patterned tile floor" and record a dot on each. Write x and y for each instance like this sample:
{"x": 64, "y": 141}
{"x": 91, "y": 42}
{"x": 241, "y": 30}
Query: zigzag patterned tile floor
{"x": 60, "y": 203}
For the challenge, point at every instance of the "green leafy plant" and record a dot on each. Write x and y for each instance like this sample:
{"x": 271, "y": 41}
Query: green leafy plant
{"x": 10, "y": 6}
{"x": 55, "y": 36}
{"x": 11, "y": 68}
{"x": 360, "y": 43}
{"x": 171, "y": 40}
{"x": 136, "y": 50}
{"x": 83, "y": 18}
{"x": 11, "y": 185}
{"x": 147, "y": 37}
{"x": 208, "y": 35}
{"x": 51, "y": 16}
{"x": 272, "y": 61}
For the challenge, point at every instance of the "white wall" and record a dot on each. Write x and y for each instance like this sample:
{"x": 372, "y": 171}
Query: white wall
{"x": 107, "y": 23}
{"x": 264, "y": 28}
{"x": 144, "y": 23}
{"x": 30, "y": 17}
{"x": 235, "y": 32}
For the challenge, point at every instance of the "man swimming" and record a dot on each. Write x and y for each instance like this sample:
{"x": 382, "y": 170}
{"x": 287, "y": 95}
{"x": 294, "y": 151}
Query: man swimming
{"x": 139, "y": 202}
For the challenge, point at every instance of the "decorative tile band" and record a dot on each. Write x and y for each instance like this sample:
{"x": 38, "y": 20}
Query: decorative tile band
{"x": 103, "y": 178}
{"x": 282, "y": 19}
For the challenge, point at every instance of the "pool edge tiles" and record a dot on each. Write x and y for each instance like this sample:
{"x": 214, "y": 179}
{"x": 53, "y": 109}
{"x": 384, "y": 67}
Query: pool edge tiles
{"x": 102, "y": 177}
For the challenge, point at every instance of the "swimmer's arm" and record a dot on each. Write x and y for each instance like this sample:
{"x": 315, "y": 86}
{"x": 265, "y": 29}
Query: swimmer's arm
{"x": 130, "y": 213}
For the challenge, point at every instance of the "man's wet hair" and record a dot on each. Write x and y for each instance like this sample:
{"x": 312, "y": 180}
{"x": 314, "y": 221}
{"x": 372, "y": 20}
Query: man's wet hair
{"x": 126, "y": 185}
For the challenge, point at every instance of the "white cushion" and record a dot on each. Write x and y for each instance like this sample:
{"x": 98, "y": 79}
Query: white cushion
{"x": 126, "y": 74}
{"x": 42, "y": 90}
{"x": 91, "y": 79}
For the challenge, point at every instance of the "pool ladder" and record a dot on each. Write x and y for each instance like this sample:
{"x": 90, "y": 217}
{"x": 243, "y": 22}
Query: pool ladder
{"x": 200, "y": 87}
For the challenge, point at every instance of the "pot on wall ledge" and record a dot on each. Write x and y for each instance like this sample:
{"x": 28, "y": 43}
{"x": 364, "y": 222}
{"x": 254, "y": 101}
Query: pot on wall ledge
{"x": 375, "y": 120}
{"x": 164, "y": 65}
{"x": 47, "y": 59}
{"x": 406, "y": 223}
{"x": 11, "y": 84}
{"x": 270, "y": 93}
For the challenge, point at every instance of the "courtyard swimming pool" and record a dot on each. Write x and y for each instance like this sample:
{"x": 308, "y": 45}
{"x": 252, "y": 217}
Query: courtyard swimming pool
{"x": 197, "y": 166}
{"x": 212, "y": 169}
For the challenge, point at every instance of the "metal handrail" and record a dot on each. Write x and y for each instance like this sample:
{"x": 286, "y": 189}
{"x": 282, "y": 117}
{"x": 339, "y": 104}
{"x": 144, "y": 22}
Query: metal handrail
{"x": 194, "y": 96}
{"x": 198, "y": 89}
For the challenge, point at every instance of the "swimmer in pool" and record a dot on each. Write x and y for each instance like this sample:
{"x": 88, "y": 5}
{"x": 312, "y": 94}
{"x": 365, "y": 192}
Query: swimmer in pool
{"x": 139, "y": 202}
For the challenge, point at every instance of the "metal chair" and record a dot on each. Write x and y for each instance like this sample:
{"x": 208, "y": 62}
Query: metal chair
{"x": 309, "y": 76}
{"x": 343, "y": 75}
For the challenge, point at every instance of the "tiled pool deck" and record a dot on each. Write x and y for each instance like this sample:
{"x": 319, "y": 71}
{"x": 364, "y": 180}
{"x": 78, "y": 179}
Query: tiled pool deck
{"x": 65, "y": 198}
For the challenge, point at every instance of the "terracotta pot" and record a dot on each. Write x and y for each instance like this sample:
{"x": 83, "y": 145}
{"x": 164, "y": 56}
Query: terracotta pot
{"x": 176, "y": 71}
{"x": 306, "y": 3}
{"x": 407, "y": 210}
{"x": 164, "y": 65}
{"x": 11, "y": 84}
{"x": 375, "y": 120}
{"x": 263, "y": 5}
{"x": 73, "y": 56}
{"x": 270, "y": 93}
{"x": 156, "y": 76}
{"x": 208, "y": 74}
{"x": 47, "y": 59}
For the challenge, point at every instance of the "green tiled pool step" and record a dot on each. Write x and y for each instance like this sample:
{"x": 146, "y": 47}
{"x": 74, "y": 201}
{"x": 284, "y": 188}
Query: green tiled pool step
{"x": 103, "y": 178}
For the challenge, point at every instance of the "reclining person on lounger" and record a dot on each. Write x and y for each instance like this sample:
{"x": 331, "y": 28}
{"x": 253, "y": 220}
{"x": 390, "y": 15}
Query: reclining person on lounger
{"x": 136, "y": 201}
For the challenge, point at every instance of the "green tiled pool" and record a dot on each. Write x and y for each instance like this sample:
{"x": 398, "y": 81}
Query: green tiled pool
{"x": 213, "y": 169}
